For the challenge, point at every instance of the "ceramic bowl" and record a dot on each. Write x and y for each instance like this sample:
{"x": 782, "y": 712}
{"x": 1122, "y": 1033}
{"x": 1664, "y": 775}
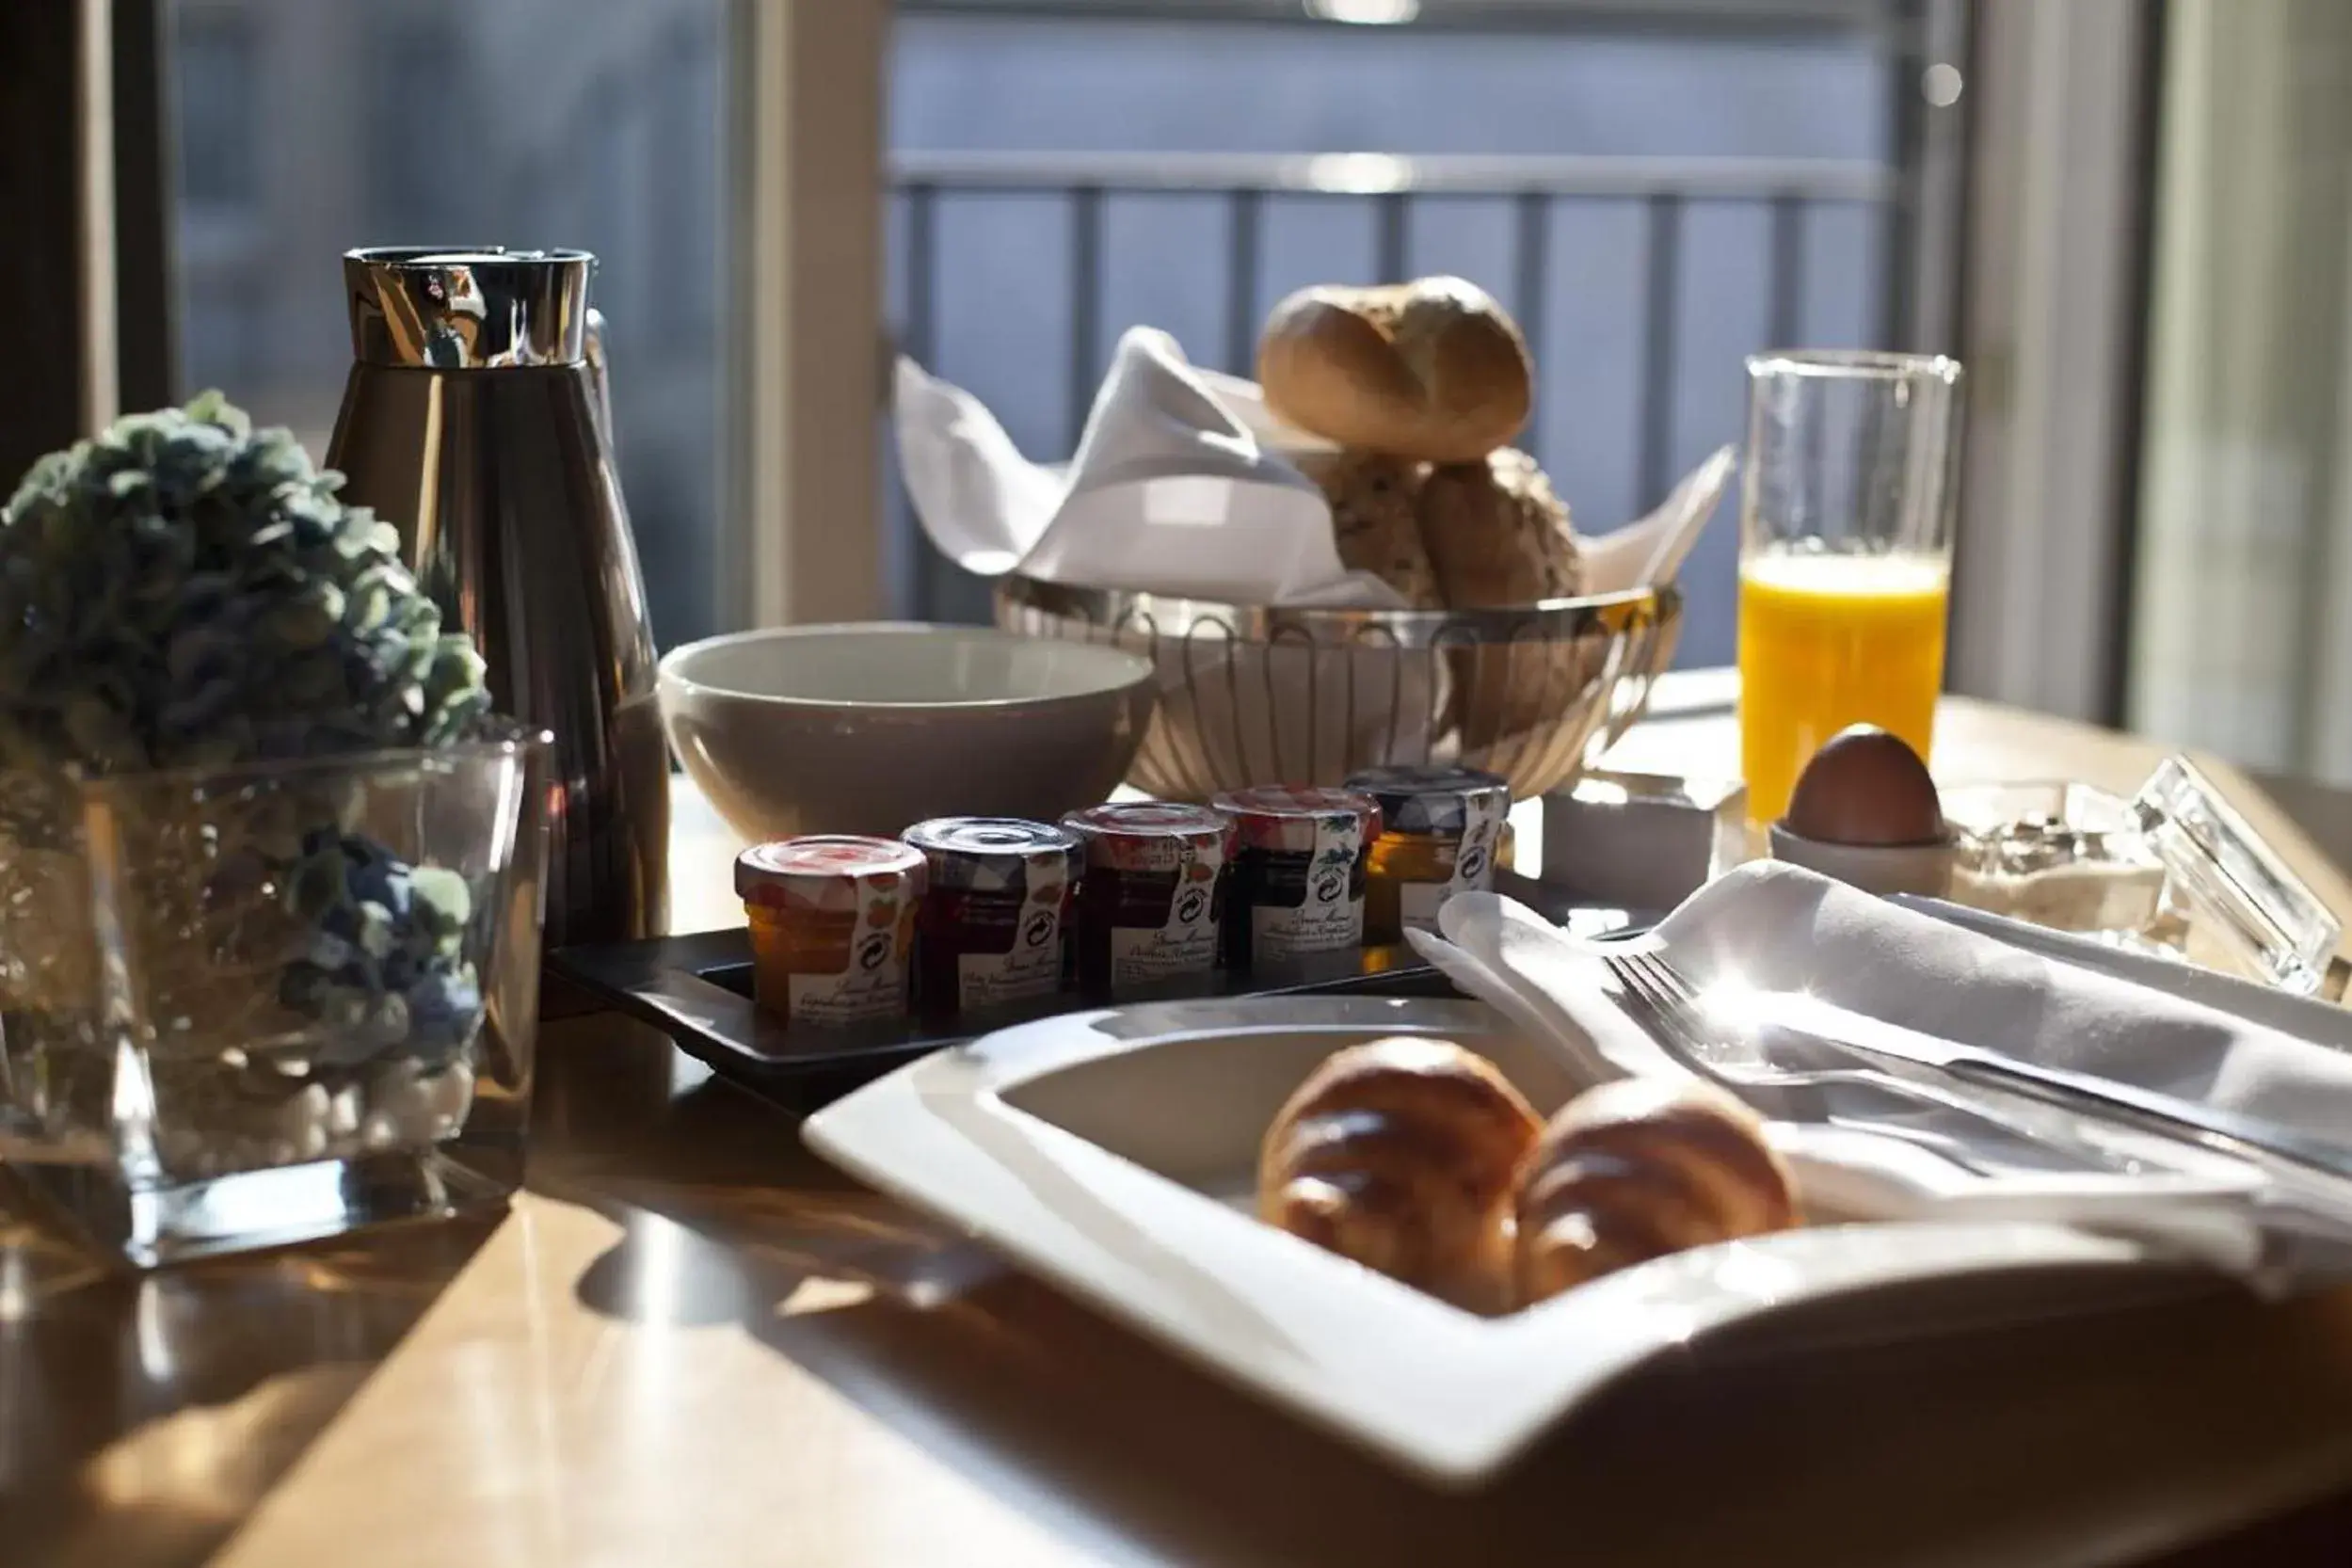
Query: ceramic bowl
{"x": 1925, "y": 870}
{"x": 1114, "y": 1154}
{"x": 865, "y": 728}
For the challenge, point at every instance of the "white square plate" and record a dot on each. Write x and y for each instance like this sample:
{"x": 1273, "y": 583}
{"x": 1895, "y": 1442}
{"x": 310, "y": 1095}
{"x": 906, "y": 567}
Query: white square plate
{"x": 1113, "y": 1153}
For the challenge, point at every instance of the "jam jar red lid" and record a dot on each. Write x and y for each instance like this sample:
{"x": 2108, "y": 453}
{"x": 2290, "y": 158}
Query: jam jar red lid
{"x": 994, "y": 854}
{"x": 824, "y": 870}
{"x": 1151, "y": 835}
{"x": 1291, "y": 817}
{"x": 1433, "y": 800}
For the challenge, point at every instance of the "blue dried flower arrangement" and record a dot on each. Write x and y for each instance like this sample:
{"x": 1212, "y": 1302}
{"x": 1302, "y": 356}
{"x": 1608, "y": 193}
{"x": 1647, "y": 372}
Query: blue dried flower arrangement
{"x": 186, "y": 592}
{"x": 384, "y": 964}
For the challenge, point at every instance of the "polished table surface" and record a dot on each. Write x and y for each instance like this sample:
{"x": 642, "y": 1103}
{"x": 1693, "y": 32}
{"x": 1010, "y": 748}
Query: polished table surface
{"x": 689, "y": 1343}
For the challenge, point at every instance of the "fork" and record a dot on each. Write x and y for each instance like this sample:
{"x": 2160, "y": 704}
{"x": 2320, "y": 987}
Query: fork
{"x": 1662, "y": 1003}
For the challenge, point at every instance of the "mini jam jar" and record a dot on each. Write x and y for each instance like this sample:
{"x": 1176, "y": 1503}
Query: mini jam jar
{"x": 832, "y": 926}
{"x": 1441, "y": 832}
{"x": 995, "y": 923}
{"x": 1298, "y": 861}
{"x": 1152, "y": 894}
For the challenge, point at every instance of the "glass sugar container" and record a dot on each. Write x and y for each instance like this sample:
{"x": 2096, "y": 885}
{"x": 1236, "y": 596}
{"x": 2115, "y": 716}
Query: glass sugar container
{"x": 2066, "y": 856}
{"x": 2174, "y": 870}
{"x": 1441, "y": 834}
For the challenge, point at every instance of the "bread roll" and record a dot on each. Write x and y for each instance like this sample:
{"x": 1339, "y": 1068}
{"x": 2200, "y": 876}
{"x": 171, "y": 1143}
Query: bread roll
{"x": 1498, "y": 537}
{"x": 1495, "y": 534}
{"x": 1376, "y": 520}
{"x": 1635, "y": 1170}
{"x": 1432, "y": 370}
{"x": 1403, "y": 1154}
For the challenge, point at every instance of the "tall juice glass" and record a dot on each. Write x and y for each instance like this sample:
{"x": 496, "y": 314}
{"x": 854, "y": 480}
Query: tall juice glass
{"x": 1845, "y": 554}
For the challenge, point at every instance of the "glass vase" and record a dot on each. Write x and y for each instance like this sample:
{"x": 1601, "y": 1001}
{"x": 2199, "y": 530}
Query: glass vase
{"x": 257, "y": 1005}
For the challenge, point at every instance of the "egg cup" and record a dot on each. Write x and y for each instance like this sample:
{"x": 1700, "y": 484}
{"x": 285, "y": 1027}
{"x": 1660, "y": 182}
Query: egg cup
{"x": 1922, "y": 869}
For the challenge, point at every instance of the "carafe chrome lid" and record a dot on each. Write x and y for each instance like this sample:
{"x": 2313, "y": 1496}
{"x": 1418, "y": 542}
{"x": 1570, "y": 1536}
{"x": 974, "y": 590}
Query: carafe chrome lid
{"x": 468, "y": 307}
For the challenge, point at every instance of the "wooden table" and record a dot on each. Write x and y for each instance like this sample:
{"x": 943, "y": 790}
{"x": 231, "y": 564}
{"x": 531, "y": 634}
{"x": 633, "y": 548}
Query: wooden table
{"x": 690, "y": 1343}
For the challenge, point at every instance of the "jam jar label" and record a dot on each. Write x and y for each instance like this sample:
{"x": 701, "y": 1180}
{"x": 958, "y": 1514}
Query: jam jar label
{"x": 1185, "y": 944}
{"x": 1418, "y": 902}
{"x": 1032, "y": 967}
{"x": 1329, "y": 916}
{"x": 874, "y": 986}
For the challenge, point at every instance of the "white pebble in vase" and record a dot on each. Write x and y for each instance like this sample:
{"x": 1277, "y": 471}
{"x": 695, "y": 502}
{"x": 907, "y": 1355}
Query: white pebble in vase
{"x": 451, "y": 1095}
{"x": 303, "y": 1118}
{"x": 405, "y": 1096}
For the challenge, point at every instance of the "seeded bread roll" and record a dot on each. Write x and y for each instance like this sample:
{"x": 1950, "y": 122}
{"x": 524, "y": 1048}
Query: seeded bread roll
{"x": 1432, "y": 370}
{"x": 1495, "y": 534}
{"x": 1498, "y": 538}
{"x": 1375, "y": 519}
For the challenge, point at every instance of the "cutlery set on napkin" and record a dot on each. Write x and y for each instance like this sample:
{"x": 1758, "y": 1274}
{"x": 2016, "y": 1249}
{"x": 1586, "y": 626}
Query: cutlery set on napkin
{"x": 1916, "y": 1067}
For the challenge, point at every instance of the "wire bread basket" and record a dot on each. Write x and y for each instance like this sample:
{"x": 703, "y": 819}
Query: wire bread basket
{"x": 1252, "y": 695}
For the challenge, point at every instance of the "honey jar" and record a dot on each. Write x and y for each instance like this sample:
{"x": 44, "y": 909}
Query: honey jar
{"x": 1441, "y": 834}
{"x": 1152, "y": 893}
{"x": 832, "y": 926}
{"x": 1299, "y": 863}
{"x": 994, "y": 927}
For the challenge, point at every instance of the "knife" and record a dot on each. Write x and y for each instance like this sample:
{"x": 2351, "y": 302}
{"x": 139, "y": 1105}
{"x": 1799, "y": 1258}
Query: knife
{"x": 2084, "y": 1094}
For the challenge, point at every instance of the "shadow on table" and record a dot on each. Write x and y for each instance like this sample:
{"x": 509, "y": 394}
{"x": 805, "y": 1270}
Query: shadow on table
{"x": 1869, "y": 1449}
{"x": 143, "y": 1417}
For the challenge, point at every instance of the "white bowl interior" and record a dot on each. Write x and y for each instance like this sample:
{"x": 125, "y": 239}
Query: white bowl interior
{"x": 902, "y": 665}
{"x": 1108, "y": 1152}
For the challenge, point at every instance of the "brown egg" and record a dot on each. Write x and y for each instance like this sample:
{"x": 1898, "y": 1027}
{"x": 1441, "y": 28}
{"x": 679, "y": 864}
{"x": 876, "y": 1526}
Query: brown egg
{"x": 1866, "y": 788}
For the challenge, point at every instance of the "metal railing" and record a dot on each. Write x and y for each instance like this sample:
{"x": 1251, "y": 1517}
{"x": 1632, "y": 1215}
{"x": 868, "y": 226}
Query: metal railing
{"x": 1774, "y": 18}
{"x": 1665, "y": 189}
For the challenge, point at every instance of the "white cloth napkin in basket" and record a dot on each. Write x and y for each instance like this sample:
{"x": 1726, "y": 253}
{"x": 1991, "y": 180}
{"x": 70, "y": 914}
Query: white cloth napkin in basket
{"x": 1184, "y": 483}
{"x": 1779, "y": 927}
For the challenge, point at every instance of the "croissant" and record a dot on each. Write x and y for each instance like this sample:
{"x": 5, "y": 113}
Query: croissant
{"x": 1403, "y": 1154}
{"x": 1635, "y": 1170}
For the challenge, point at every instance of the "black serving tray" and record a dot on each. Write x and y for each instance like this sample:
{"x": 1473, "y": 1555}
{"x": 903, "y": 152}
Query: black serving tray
{"x": 697, "y": 989}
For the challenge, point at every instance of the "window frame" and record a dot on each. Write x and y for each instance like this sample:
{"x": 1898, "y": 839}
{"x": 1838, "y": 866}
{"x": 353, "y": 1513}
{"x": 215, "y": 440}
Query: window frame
{"x": 801, "y": 535}
{"x": 802, "y": 519}
{"x": 83, "y": 160}
{"x": 2053, "y": 331}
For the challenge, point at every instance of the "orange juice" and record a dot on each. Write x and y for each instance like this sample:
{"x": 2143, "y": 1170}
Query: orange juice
{"x": 1829, "y": 640}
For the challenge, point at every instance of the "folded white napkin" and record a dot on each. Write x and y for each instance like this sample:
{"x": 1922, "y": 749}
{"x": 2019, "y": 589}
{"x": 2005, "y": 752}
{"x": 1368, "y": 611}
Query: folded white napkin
{"x": 1177, "y": 487}
{"x": 1779, "y": 927}
{"x": 1183, "y": 483}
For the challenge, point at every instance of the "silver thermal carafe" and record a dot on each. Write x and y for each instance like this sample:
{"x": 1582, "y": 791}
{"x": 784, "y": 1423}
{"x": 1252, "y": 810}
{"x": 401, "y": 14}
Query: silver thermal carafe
{"x": 477, "y": 421}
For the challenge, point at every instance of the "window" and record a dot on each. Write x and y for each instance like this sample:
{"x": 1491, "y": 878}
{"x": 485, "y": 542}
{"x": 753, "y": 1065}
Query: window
{"x": 308, "y": 128}
{"x": 2240, "y": 632}
{"x": 1656, "y": 192}
{"x": 420, "y": 128}
{"x": 1656, "y": 189}
{"x": 219, "y": 79}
